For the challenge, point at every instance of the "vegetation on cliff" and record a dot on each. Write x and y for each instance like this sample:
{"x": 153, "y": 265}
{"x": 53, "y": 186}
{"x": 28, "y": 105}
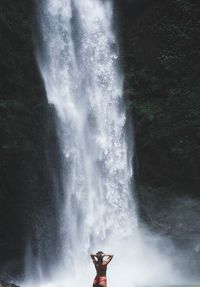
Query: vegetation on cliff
{"x": 26, "y": 176}
{"x": 160, "y": 54}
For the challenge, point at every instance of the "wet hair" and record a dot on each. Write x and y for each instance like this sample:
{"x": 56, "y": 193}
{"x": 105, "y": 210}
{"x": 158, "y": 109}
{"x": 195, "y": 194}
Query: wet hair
{"x": 99, "y": 255}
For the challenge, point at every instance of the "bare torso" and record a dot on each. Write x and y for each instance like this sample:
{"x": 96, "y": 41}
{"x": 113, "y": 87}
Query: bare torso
{"x": 100, "y": 264}
{"x": 101, "y": 268}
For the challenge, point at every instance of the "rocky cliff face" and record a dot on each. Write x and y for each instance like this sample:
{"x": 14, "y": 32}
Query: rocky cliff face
{"x": 159, "y": 52}
{"x": 159, "y": 48}
{"x": 26, "y": 173}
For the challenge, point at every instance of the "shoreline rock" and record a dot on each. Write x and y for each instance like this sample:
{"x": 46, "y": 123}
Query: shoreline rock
{"x": 6, "y": 284}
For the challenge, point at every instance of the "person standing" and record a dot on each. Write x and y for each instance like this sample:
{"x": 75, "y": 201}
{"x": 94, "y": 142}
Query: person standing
{"x": 101, "y": 262}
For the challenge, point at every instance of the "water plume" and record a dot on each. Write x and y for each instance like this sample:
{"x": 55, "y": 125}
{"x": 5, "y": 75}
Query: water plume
{"x": 79, "y": 63}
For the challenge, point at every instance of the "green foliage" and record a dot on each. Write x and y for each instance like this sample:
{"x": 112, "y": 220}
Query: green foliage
{"x": 23, "y": 130}
{"x": 160, "y": 55}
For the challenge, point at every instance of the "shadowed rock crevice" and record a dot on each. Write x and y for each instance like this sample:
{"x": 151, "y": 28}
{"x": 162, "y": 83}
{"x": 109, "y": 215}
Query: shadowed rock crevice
{"x": 29, "y": 165}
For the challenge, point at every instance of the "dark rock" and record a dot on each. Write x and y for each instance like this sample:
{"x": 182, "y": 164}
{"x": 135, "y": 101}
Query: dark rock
{"x": 159, "y": 48}
{"x": 5, "y": 284}
{"x": 28, "y": 174}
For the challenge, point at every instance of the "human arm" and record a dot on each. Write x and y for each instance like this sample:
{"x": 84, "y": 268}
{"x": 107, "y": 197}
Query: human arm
{"x": 109, "y": 258}
{"x": 93, "y": 256}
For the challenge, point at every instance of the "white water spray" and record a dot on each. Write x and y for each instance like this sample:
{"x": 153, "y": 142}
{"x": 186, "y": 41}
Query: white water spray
{"x": 79, "y": 65}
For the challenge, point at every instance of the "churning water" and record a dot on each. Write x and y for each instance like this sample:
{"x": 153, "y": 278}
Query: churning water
{"x": 79, "y": 64}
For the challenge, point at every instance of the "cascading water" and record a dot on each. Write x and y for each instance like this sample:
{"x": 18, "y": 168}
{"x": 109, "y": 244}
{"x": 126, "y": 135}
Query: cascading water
{"x": 79, "y": 65}
{"x": 83, "y": 82}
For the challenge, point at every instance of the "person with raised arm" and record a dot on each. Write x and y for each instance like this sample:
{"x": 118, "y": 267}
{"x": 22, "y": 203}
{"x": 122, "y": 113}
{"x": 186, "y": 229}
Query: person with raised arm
{"x": 101, "y": 261}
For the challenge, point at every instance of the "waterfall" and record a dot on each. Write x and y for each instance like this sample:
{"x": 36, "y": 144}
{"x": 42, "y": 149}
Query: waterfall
{"x": 79, "y": 63}
{"x": 83, "y": 82}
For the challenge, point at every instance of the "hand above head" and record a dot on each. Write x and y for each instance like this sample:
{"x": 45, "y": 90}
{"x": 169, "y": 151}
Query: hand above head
{"x": 109, "y": 258}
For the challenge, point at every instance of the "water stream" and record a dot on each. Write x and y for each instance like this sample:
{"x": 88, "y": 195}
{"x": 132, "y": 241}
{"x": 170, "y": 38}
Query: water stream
{"x": 79, "y": 63}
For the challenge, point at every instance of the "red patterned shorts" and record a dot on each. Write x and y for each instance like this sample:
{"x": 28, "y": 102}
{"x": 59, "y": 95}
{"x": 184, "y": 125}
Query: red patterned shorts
{"x": 99, "y": 280}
